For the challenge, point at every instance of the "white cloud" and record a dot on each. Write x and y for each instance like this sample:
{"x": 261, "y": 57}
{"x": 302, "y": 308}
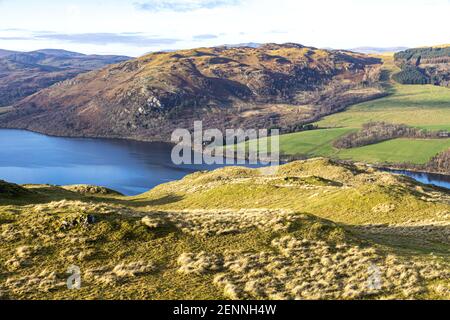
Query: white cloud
{"x": 137, "y": 40}
{"x": 183, "y": 5}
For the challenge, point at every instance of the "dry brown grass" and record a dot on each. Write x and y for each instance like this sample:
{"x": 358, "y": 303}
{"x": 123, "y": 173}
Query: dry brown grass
{"x": 217, "y": 222}
{"x": 431, "y": 230}
{"x": 21, "y": 257}
{"x": 120, "y": 273}
{"x": 250, "y": 241}
{"x": 306, "y": 269}
{"x": 199, "y": 264}
{"x": 43, "y": 281}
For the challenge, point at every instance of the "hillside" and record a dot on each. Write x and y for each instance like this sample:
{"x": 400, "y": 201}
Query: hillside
{"x": 24, "y": 73}
{"x": 422, "y": 107}
{"x": 316, "y": 229}
{"x": 424, "y": 66}
{"x": 148, "y": 97}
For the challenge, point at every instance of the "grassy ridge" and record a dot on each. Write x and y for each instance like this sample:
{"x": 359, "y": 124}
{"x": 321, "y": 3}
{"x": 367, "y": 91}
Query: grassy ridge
{"x": 313, "y": 230}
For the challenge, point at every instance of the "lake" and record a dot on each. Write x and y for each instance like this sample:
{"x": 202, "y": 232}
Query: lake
{"x": 129, "y": 167}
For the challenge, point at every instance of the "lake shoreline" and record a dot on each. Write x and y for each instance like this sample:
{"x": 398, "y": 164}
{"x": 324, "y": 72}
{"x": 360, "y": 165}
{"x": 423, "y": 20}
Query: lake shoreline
{"x": 146, "y": 150}
{"x": 434, "y": 179}
{"x": 106, "y": 137}
{"x": 127, "y": 166}
{"x": 412, "y": 170}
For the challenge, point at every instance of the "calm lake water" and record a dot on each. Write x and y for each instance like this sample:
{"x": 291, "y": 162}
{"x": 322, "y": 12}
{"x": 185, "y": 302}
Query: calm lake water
{"x": 427, "y": 178}
{"x": 129, "y": 167}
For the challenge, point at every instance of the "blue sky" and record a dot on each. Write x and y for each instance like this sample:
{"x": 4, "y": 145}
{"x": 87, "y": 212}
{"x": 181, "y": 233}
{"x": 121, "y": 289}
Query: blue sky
{"x": 139, "y": 26}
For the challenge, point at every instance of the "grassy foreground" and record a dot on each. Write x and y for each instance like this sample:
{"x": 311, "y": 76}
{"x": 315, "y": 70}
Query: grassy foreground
{"x": 314, "y": 229}
{"x": 423, "y": 106}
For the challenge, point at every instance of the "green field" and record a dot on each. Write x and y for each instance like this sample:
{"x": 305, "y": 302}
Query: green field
{"x": 423, "y": 106}
{"x": 397, "y": 151}
{"x": 312, "y": 143}
{"x": 319, "y": 143}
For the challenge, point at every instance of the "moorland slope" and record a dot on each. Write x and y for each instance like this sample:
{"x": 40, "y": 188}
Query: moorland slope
{"x": 315, "y": 229}
{"x": 25, "y": 73}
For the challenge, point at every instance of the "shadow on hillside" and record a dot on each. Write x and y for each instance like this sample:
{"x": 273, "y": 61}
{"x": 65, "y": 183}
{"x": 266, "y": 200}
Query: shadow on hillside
{"x": 142, "y": 202}
{"x": 387, "y": 82}
{"x": 40, "y": 195}
{"x": 411, "y": 239}
{"x": 46, "y": 194}
{"x": 385, "y": 75}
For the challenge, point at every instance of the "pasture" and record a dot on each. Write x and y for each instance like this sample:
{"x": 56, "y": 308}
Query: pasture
{"x": 422, "y": 106}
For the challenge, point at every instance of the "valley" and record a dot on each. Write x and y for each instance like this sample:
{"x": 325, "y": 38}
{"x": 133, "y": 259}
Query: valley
{"x": 224, "y": 158}
{"x": 147, "y": 98}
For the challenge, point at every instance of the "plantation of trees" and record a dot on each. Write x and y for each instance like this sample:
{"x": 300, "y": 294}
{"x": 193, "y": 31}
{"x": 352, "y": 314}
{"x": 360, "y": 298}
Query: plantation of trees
{"x": 411, "y": 75}
{"x": 424, "y": 55}
{"x": 424, "y": 66}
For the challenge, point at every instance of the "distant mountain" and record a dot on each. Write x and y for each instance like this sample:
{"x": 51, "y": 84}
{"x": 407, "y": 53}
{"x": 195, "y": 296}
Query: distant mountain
{"x": 65, "y": 59}
{"x": 61, "y": 53}
{"x": 25, "y": 73}
{"x": 4, "y": 53}
{"x": 147, "y": 98}
{"x": 375, "y": 50}
{"x": 424, "y": 66}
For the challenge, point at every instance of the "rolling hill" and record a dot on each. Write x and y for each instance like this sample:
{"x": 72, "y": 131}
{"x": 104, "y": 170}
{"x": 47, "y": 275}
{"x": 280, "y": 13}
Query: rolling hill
{"x": 148, "y": 97}
{"x": 24, "y": 73}
{"x": 316, "y": 229}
